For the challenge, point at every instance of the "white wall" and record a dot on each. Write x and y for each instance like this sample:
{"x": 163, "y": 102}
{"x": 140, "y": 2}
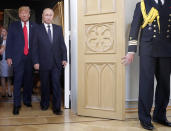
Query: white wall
{"x": 132, "y": 71}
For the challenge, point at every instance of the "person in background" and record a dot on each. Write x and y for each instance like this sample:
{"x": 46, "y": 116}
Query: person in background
{"x": 49, "y": 57}
{"x": 5, "y": 70}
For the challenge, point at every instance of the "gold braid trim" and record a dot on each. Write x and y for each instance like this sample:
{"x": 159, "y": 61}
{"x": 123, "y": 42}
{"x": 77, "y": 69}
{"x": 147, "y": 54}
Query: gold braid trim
{"x": 151, "y": 15}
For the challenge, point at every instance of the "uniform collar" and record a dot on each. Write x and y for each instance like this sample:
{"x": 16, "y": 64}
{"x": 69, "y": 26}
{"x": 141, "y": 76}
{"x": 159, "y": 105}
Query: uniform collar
{"x": 157, "y": 1}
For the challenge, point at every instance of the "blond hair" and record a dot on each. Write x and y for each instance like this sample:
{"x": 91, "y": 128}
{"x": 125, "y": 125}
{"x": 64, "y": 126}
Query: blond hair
{"x": 24, "y": 8}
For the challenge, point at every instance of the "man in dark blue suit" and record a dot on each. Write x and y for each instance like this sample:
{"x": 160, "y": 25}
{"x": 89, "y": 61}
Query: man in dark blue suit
{"x": 153, "y": 18}
{"x": 49, "y": 56}
{"x": 19, "y": 39}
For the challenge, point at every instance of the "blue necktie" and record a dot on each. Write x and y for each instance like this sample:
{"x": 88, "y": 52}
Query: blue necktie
{"x": 49, "y": 33}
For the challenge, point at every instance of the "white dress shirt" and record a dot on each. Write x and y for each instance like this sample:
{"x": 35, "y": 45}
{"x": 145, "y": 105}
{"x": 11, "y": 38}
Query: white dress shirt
{"x": 162, "y": 1}
{"x": 27, "y": 25}
{"x": 4, "y": 42}
{"x": 46, "y": 27}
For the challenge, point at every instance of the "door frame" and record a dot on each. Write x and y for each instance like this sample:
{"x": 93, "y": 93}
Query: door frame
{"x": 67, "y": 68}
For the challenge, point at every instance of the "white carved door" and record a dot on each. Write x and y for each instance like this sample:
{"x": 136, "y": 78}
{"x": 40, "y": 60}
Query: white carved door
{"x": 101, "y": 44}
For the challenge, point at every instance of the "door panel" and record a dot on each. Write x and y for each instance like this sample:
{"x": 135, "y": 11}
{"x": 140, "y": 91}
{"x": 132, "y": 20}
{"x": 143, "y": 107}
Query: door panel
{"x": 101, "y": 44}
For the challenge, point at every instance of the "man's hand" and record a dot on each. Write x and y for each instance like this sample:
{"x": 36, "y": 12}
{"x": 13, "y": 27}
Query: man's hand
{"x": 64, "y": 63}
{"x": 36, "y": 66}
{"x": 9, "y": 61}
{"x": 128, "y": 59}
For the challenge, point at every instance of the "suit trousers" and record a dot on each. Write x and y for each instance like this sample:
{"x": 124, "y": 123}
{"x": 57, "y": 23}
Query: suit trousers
{"x": 46, "y": 77}
{"x": 23, "y": 75}
{"x": 160, "y": 67}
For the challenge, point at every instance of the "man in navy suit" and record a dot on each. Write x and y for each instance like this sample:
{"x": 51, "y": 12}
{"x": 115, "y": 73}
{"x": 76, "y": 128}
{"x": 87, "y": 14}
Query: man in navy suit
{"x": 19, "y": 39}
{"x": 49, "y": 56}
{"x": 153, "y": 18}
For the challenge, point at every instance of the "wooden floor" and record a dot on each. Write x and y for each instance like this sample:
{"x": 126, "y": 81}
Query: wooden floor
{"x": 33, "y": 119}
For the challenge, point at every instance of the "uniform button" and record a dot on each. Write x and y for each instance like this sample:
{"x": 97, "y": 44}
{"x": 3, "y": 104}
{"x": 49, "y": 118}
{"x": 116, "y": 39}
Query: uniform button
{"x": 154, "y": 36}
{"x": 154, "y": 20}
{"x": 154, "y": 25}
{"x": 169, "y": 20}
{"x": 169, "y": 14}
{"x": 168, "y": 30}
{"x": 150, "y": 28}
{"x": 168, "y": 36}
{"x": 169, "y": 25}
{"x": 155, "y": 31}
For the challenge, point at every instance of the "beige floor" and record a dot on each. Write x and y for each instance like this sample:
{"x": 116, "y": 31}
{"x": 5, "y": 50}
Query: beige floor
{"x": 33, "y": 119}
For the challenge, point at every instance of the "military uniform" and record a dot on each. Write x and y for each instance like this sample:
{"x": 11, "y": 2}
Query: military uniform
{"x": 155, "y": 58}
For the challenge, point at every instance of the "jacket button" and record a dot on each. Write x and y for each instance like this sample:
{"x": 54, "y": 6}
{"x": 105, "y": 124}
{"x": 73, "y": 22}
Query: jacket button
{"x": 154, "y": 20}
{"x": 168, "y": 31}
{"x": 169, "y": 25}
{"x": 169, "y": 20}
{"x": 169, "y": 14}
{"x": 154, "y": 36}
{"x": 150, "y": 28}
{"x": 155, "y": 31}
{"x": 154, "y": 25}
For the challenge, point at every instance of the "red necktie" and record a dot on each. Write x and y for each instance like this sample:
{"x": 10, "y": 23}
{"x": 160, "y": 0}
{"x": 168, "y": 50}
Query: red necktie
{"x": 25, "y": 39}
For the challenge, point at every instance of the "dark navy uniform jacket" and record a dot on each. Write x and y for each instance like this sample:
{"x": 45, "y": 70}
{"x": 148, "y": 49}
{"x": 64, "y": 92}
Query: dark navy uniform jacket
{"x": 151, "y": 41}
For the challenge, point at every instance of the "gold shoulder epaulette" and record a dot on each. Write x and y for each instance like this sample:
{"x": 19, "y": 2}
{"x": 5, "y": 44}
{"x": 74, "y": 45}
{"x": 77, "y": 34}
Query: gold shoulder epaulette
{"x": 149, "y": 18}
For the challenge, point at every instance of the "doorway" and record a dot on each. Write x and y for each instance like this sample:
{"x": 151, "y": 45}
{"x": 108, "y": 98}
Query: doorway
{"x": 9, "y": 13}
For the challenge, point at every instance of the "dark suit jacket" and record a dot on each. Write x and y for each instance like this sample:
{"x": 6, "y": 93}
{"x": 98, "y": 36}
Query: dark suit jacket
{"x": 15, "y": 41}
{"x": 152, "y": 43}
{"x": 46, "y": 53}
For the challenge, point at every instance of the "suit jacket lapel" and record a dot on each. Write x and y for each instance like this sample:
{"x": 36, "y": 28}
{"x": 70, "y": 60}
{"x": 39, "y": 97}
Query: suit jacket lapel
{"x": 20, "y": 29}
{"x": 30, "y": 31}
{"x": 55, "y": 33}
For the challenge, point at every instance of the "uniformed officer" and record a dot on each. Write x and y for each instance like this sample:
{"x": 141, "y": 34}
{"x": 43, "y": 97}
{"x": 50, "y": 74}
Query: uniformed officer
{"x": 152, "y": 18}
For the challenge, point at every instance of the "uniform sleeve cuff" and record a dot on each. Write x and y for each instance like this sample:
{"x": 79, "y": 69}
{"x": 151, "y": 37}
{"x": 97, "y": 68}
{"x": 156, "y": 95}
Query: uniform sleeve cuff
{"x": 132, "y": 42}
{"x": 132, "y": 48}
{"x": 131, "y": 52}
